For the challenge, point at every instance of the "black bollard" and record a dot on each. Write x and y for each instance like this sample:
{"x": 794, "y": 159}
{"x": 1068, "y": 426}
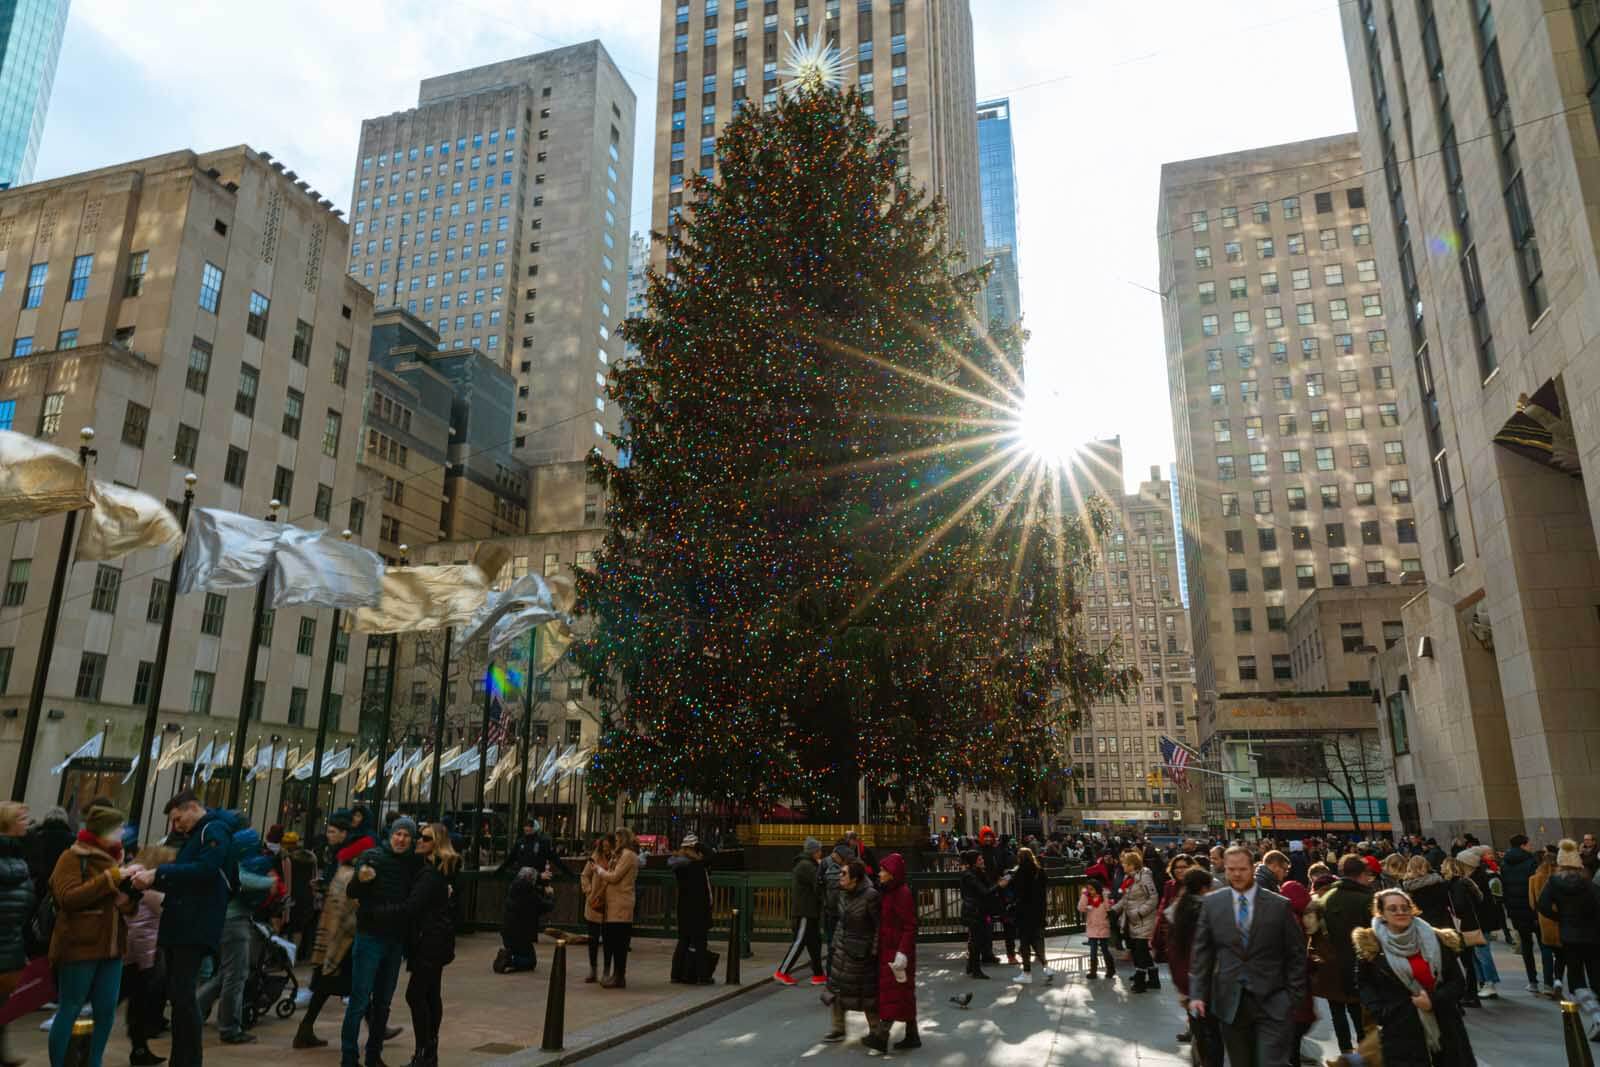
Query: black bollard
{"x": 555, "y": 1006}
{"x": 733, "y": 948}
{"x": 78, "y": 1045}
{"x": 1578, "y": 1054}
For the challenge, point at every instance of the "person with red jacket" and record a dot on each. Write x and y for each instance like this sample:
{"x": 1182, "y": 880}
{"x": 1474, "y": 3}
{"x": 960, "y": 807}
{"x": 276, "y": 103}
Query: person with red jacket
{"x": 897, "y": 953}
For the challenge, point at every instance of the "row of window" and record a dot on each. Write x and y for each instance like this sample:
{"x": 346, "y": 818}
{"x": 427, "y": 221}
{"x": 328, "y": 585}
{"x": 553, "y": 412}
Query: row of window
{"x": 1394, "y": 454}
{"x": 1261, "y": 210}
{"x": 1316, "y": 385}
{"x": 1289, "y": 426}
{"x": 1300, "y": 539}
{"x": 1267, "y": 247}
{"x": 1295, "y": 497}
{"x": 412, "y": 154}
{"x": 1344, "y": 344}
{"x": 1305, "y": 314}
{"x": 1299, "y": 279}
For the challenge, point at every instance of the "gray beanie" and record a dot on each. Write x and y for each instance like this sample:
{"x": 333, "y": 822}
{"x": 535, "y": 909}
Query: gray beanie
{"x": 812, "y": 845}
{"x": 406, "y": 823}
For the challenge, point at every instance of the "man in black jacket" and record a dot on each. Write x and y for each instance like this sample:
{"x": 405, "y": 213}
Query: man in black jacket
{"x": 534, "y": 849}
{"x": 805, "y": 911}
{"x": 1517, "y": 866}
{"x": 381, "y": 886}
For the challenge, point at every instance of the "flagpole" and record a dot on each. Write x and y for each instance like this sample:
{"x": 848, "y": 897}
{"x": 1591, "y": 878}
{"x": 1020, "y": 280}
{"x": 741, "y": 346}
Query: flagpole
{"x": 158, "y": 675}
{"x": 379, "y": 784}
{"x": 435, "y": 798}
{"x": 527, "y": 732}
{"x": 483, "y": 760}
{"x": 255, "y": 789}
{"x": 251, "y": 655}
{"x": 322, "y": 719}
{"x": 141, "y": 813}
{"x": 47, "y": 636}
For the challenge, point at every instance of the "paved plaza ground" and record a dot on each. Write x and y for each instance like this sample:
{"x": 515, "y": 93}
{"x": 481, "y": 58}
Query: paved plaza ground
{"x": 499, "y": 1019}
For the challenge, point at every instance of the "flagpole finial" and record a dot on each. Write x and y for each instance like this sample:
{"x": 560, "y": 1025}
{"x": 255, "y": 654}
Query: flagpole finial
{"x": 274, "y": 503}
{"x": 190, "y": 479}
{"x": 347, "y": 535}
{"x": 86, "y": 434}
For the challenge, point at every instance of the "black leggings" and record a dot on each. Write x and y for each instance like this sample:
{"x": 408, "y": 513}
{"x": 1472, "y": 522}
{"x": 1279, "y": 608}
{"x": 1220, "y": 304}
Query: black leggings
{"x": 1346, "y": 1024}
{"x": 1031, "y": 940}
{"x": 617, "y": 938}
{"x": 1142, "y": 960}
{"x": 594, "y": 947}
{"x": 1583, "y": 966}
{"x": 427, "y": 1006}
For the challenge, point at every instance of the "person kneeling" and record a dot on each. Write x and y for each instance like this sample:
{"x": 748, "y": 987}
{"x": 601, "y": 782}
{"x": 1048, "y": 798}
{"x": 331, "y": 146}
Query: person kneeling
{"x": 526, "y": 902}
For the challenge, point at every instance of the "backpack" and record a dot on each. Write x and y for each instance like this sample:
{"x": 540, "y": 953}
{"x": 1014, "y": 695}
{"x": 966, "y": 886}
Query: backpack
{"x": 42, "y": 925}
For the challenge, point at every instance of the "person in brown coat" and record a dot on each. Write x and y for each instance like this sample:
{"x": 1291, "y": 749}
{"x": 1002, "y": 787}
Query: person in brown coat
{"x": 336, "y": 932}
{"x": 618, "y": 879}
{"x": 594, "y": 901}
{"x": 91, "y": 931}
{"x": 1551, "y": 959}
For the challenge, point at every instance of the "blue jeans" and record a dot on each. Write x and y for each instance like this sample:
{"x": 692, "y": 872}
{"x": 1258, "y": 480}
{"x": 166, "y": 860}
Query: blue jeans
{"x": 374, "y": 972}
{"x": 226, "y": 983}
{"x": 1098, "y": 947}
{"x": 93, "y": 982}
{"x": 1487, "y": 971}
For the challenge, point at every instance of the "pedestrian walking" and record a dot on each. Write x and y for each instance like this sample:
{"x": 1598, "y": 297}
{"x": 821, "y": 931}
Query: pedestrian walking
{"x": 298, "y": 867}
{"x": 143, "y": 983}
{"x": 853, "y": 966}
{"x": 1517, "y": 868}
{"x": 336, "y": 934}
{"x": 594, "y": 903}
{"x": 1411, "y": 986}
{"x": 196, "y": 886}
{"x": 1248, "y": 966}
{"x": 805, "y": 916}
{"x": 1169, "y": 892}
{"x": 1028, "y": 883}
{"x": 1094, "y": 907}
{"x": 17, "y": 905}
{"x": 978, "y": 903}
{"x": 1552, "y": 962}
{"x": 997, "y": 863}
{"x": 1428, "y": 893}
{"x": 380, "y": 889}
{"x": 1491, "y": 915}
{"x": 897, "y": 952}
{"x": 1330, "y": 922}
{"x": 834, "y": 862}
{"x": 253, "y": 887}
{"x": 1136, "y": 911}
{"x": 1464, "y": 919}
{"x": 1182, "y": 916}
{"x": 432, "y": 946}
{"x": 1572, "y": 899}
{"x": 90, "y": 935}
{"x": 618, "y": 880}
{"x": 691, "y": 957}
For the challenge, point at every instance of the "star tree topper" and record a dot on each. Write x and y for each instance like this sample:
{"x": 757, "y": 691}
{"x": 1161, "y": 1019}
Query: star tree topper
{"x": 813, "y": 66}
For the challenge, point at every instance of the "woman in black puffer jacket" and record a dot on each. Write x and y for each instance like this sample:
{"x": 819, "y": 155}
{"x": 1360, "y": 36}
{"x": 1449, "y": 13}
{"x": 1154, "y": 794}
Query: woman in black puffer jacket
{"x": 432, "y": 944}
{"x": 853, "y": 961}
{"x": 16, "y": 903}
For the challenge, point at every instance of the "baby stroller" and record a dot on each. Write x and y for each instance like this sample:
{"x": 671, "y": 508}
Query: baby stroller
{"x": 271, "y": 985}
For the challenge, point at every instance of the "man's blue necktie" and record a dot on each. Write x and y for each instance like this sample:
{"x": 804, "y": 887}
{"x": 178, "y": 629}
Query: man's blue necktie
{"x": 1244, "y": 921}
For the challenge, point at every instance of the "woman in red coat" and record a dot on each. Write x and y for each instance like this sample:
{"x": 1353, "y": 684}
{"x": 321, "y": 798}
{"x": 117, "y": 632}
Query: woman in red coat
{"x": 1305, "y": 1013}
{"x": 897, "y": 952}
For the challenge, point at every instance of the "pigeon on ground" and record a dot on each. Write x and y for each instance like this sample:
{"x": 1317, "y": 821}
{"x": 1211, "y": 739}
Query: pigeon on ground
{"x": 961, "y": 1000}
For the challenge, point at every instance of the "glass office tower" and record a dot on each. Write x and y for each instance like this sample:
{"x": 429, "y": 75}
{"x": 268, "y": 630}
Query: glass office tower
{"x": 32, "y": 32}
{"x": 997, "y": 176}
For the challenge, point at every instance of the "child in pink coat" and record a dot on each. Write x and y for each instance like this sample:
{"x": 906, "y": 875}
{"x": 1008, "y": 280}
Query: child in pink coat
{"x": 1095, "y": 907}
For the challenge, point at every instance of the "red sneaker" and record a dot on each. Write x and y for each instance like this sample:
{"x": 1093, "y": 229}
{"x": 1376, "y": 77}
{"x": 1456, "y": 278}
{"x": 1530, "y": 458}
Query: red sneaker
{"x": 819, "y": 979}
{"x": 784, "y": 978}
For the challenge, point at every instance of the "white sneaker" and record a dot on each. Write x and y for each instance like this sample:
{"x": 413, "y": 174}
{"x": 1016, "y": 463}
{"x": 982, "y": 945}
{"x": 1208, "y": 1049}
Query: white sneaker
{"x": 1532, "y": 987}
{"x": 1487, "y": 991}
{"x": 1547, "y": 990}
{"x": 1047, "y": 974}
{"x": 1023, "y": 978}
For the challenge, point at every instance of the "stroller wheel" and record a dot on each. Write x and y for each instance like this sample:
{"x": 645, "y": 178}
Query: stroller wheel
{"x": 285, "y": 1008}
{"x": 251, "y": 1015}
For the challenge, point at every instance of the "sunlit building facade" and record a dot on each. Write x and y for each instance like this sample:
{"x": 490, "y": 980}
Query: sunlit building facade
{"x": 997, "y": 176}
{"x": 32, "y": 31}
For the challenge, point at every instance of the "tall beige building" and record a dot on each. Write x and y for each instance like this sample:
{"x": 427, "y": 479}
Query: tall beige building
{"x": 911, "y": 59}
{"x": 192, "y": 308}
{"x": 1133, "y": 603}
{"x": 1291, "y": 462}
{"x": 496, "y": 211}
{"x": 1478, "y": 132}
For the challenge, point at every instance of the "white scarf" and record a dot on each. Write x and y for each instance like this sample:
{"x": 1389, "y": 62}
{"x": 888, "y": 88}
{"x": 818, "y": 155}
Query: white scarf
{"x": 1419, "y": 939}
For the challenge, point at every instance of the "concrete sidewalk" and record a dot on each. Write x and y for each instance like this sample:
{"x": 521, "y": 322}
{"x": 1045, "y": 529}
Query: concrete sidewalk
{"x": 487, "y": 1016}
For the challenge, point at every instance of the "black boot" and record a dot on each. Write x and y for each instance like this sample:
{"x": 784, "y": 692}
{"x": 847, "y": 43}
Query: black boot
{"x": 1153, "y": 981}
{"x": 1138, "y": 982}
{"x": 1094, "y": 971}
{"x": 911, "y": 1040}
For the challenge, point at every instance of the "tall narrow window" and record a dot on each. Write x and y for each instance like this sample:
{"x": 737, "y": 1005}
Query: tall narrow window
{"x": 199, "y": 373}
{"x": 255, "y": 323}
{"x": 81, "y": 268}
{"x": 138, "y": 264}
{"x": 36, "y": 279}
{"x": 210, "y": 294}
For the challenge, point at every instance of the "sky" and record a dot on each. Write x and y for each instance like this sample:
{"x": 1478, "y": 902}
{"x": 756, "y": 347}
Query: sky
{"x": 1102, "y": 93}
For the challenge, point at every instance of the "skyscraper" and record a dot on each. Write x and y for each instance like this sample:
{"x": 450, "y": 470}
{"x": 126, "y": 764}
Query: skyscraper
{"x": 32, "y": 32}
{"x": 1291, "y": 462}
{"x": 1478, "y": 127}
{"x": 997, "y": 173}
{"x": 911, "y": 59}
{"x": 496, "y": 211}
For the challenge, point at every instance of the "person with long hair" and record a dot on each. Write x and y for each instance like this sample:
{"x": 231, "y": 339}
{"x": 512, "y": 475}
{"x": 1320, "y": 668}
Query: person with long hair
{"x": 144, "y": 981}
{"x": 1464, "y": 913}
{"x": 1028, "y": 884}
{"x": 432, "y": 946}
{"x": 1176, "y": 869}
{"x": 594, "y": 903}
{"x": 619, "y": 879}
{"x": 1551, "y": 959}
{"x": 1182, "y": 914}
{"x": 1411, "y": 985}
{"x": 1136, "y": 910}
{"x": 17, "y": 903}
{"x": 691, "y": 957}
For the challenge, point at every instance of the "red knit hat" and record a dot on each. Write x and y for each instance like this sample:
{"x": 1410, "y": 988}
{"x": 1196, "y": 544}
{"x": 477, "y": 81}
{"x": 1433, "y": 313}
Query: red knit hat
{"x": 1372, "y": 864}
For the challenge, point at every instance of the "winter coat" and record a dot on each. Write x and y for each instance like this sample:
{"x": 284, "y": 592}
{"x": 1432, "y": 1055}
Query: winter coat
{"x": 144, "y": 926}
{"x": 1432, "y": 899}
{"x": 804, "y": 903}
{"x": 1138, "y": 905}
{"x": 433, "y": 935}
{"x": 979, "y": 899}
{"x": 91, "y": 915}
{"x": 1549, "y": 929}
{"x": 1029, "y": 886}
{"x": 897, "y": 932}
{"x": 42, "y": 847}
{"x": 1573, "y": 901}
{"x": 694, "y": 891}
{"x": 828, "y": 875}
{"x": 1096, "y": 917}
{"x": 1183, "y": 916}
{"x": 525, "y": 906}
{"x": 17, "y": 904}
{"x": 383, "y": 898}
{"x": 535, "y": 850}
{"x": 586, "y": 883}
{"x": 336, "y": 928}
{"x": 1464, "y": 903}
{"x": 1491, "y": 914}
{"x": 1517, "y": 866}
{"x": 1387, "y": 1001}
{"x": 1299, "y": 898}
{"x": 619, "y": 881}
{"x": 198, "y": 883}
{"x": 1340, "y": 911}
{"x": 302, "y": 870}
{"x": 853, "y": 960}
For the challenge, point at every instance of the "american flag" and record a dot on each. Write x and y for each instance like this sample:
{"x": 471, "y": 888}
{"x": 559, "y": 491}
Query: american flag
{"x": 1176, "y": 759}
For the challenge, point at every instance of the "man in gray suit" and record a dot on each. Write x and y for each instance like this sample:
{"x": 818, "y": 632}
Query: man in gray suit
{"x": 1248, "y": 966}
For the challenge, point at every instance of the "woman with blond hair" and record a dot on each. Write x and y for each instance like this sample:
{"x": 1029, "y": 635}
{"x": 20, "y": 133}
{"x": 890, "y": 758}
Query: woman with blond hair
{"x": 594, "y": 903}
{"x": 432, "y": 946}
{"x": 1464, "y": 897}
{"x": 619, "y": 878}
{"x": 1137, "y": 912}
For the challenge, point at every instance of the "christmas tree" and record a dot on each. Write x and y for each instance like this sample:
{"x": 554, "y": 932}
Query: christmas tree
{"x": 828, "y": 554}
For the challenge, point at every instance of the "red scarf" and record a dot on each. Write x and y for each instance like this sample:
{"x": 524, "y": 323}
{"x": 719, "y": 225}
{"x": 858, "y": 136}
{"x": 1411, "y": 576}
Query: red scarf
{"x": 114, "y": 851}
{"x": 1127, "y": 883}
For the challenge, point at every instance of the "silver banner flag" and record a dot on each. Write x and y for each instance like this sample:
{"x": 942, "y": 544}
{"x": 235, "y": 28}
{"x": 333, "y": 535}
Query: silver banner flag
{"x": 316, "y": 567}
{"x": 226, "y": 550}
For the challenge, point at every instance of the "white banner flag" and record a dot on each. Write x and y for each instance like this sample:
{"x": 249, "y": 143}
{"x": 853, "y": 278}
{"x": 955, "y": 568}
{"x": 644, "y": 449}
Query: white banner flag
{"x": 120, "y": 521}
{"x": 529, "y": 601}
{"x": 263, "y": 761}
{"x": 182, "y": 751}
{"x": 226, "y": 550}
{"x": 155, "y": 753}
{"x": 318, "y": 567}
{"x": 90, "y": 749}
{"x": 38, "y": 479}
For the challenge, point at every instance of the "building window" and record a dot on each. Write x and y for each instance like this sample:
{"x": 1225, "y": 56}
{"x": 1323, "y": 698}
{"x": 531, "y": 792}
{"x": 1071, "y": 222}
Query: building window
{"x": 91, "y": 676}
{"x": 283, "y": 485}
{"x": 244, "y": 401}
{"x": 1296, "y": 497}
{"x": 1376, "y": 575}
{"x": 1341, "y": 573}
{"x": 16, "y": 584}
{"x": 255, "y": 323}
{"x": 199, "y": 372}
{"x": 323, "y": 508}
{"x": 143, "y": 678}
{"x": 1405, "y": 531}
{"x": 293, "y": 408}
{"x": 138, "y": 264}
{"x": 341, "y": 365}
{"x": 305, "y": 640}
{"x": 297, "y": 706}
{"x": 332, "y": 425}
{"x": 233, "y": 469}
{"x": 78, "y": 288}
{"x": 210, "y": 294}
{"x": 200, "y": 691}
{"x": 1305, "y": 576}
{"x": 1230, "y": 504}
{"x": 1394, "y": 453}
{"x": 1271, "y": 579}
{"x": 107, "y": 584}
{"x": 1282, "y": 671}
{"x": 22, "y": 346}
{"x": 1399, "y": 737}
{"x": 1364, "y": 494}
{"x": 1247, "y": 668}
{"x": 213, "y": 614}
{"x": 37, "y": 274}
{"x": 1335, "y": 529}
{"x": 1241, "y": 621}
{"x": 301, "y": 353}
{"x": 358, "y": 516}
{"x": 135, "y": 424}
{"x": 1400, "y": 491}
